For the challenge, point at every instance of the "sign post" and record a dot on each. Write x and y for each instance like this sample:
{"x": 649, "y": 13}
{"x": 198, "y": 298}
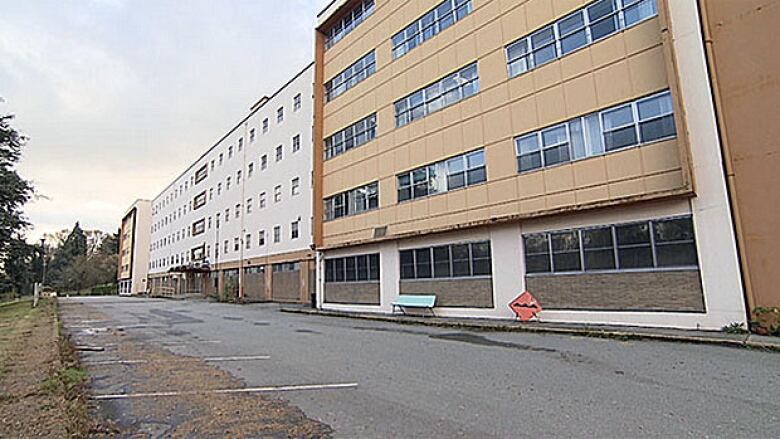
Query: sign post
{"x": 525, "y": 307}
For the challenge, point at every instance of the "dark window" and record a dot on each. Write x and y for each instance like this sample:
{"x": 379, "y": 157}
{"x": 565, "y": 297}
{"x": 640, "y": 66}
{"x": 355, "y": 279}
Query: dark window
{"x": 537, "y": 253}
{"x": 422, "y": 262}
{"x": 674, "y": 243}
{"x": 633, "y": 244}
{"x": 460, "y": 260}
{"x": 407, "y": 264}
{"x": 565, "y": 251}
{"x": 598, "y": 249}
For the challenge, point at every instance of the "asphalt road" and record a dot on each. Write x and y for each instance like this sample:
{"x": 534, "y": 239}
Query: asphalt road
{"x": 433, "y": 382}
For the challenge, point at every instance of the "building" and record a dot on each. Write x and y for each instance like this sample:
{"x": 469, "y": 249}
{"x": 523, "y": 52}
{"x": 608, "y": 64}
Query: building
{"x": 746, "y": 91}
{"x": 476, "y": 149}
{"x": 134, "y": 236}
{"x": 236, "y": 224}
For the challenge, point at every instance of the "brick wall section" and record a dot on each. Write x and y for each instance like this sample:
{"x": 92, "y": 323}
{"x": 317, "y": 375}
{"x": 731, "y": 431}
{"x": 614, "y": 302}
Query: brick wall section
{"x": 286, "y": 286}
{"x": 466, "y": 293}
{"x": 356, "y": 293}
{"x": 254, "y": 287}
{"x": 638, "y": 291}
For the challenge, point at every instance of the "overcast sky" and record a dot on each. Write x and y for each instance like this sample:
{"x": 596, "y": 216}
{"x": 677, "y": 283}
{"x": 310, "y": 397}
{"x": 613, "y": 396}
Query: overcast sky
{"x": 119, "y": 96}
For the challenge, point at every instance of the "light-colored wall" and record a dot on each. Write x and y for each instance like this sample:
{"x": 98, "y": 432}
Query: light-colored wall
{"x": 620, "y": 68}
{"x": 141, "y": 241}
{"x": 745, "y": 72}
{"x": 292, "y": 165}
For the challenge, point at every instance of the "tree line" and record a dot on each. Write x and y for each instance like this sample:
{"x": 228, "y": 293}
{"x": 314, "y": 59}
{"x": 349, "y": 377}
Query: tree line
{"x": 70, "y": 266}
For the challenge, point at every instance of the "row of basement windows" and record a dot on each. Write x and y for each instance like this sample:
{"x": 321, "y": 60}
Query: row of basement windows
{"x": 589, "y": 24}
{"x": 660, "y": 244}
{"x": 646, "y": 245}
{"x": 649, "y": 119}
{"x": 202, "y": 172}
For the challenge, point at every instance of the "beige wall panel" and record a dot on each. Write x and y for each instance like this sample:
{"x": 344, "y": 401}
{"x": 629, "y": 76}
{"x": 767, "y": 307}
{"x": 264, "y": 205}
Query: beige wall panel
{"x": 539, "y": 13}
{"x": 590, "y": 172}
{"x": 624, "y": 164}
{"x": 558, "y": 179}
{"x": 498, "y": 167}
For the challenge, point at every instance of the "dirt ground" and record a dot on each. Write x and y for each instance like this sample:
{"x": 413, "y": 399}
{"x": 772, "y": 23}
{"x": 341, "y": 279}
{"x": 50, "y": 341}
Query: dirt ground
{"x": 154, "y": 369}
{"x": 40, "y": 387}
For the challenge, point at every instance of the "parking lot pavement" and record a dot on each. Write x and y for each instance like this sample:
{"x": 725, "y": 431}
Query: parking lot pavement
{"x": 362, "y": 379}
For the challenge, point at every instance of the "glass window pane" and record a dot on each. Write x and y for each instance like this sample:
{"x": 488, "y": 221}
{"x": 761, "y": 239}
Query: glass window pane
{"x": 339, "y": 270}
{"x": 635, "y": 257}
{"x": 571, "y": 23}
{"x": 350, "y": 273}
{"x": 655, "y": 129}
{"x": 529, "y": 162}
{"x": 655, "y": 106}
{"x": 620, "y": 138}
{"x": 373, "y": 266}
{"x": 640, "y": 11}
{"x": 554, "y": 135}
{"x": 558, "y": 154}
{"x": 600, "y": 259}
{"x": 527, "y": 143}
{"x": 595, "y": 143}
{"x": 633, "y": 234}
{"x": 677, "y": 255}
{"x": 407, "y": 264}
{"x": 574, "y": 41}
{"x": 597, "y": 238}
{"x": 476, "y": 176}
{"x": 679, "y": 229}
{"x": 441, "y": 261}
{"x": 460, "y": 260}
{"x": 577, "y": 139}
{"x": 329, "y": 270}
{"x": 423, "y": 263}
{"x": 566, "y": 251}
{"x": 618, "y": 117}
{"x": 362, "y": 267}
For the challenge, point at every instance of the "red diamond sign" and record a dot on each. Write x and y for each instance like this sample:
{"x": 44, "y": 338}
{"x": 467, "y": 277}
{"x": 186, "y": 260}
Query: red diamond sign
{"x": 525, "y": 306}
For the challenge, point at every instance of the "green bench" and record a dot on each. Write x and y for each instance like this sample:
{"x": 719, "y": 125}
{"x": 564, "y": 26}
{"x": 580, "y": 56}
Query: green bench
{"x": 414, "y": 301}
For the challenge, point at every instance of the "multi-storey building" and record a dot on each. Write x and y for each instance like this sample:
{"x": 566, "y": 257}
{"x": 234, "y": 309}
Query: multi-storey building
{"x": 237, "y": 222}
{"x": 746, "y": 89}
{"x": 476, "y": 149}
{"x": 134, "y": 236}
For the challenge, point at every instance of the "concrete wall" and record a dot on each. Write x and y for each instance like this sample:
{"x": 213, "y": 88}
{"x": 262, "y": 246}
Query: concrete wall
{"x": 286, "y": 286}
{"x": 639, "y": 291}
{"x": 745, "y": 72}
{"x": 360, "y": 293}
{"x": 468, "y": 293}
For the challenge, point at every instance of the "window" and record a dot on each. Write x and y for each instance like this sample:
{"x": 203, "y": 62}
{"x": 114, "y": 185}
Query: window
{"x": 348, "y": 23}
{"x": 249, "y": 169}
{"x": 238, "y": 210}
{"x": 286, "y": 267}
{"x": 296, "y": 143}
{"x": 240, "y": 143}
{"x": 248, "y": 241}
{"x": 445, "y": 92}
{"x": 209, "y": 223}
{"x": 249, "y": 205}
{"x": 646, "y": 120}
{"x": 440, "y": 177}
{"x": 294, "y": 232}
{"x": 265, "y": 125}
{"x": 263, "y": 162}
{"x": 447, "y": 261}
{"x": 585, "y": 26}
{"x": 277, "y": 234}
{"x": 280, "y": 115}
{"x": 230, "y": 151}
{"x": 226, "y": 247}
{"x": 219, "y": 188}
{"x": 352, "y": 202}
{"x": 227, "y": 215}
{"x": 350, "y": 137}
{"x": 261, "y": 200}
{"x": 351, "y": 76}
{"x": 359, "y": 268}
{"x": 279, "y": 153}
{"x": 211, "y": 193}
{"x": 295, "y": 186}
{"x": 227, "y": 184}
{"x": 261, "y": 238}
{"x": 201, "y": 174}
{"x": 252, "y": 135}
{"x": 199, "y": 201}
{"x": 238, "y": 177}
{"x": 198, "y": 227}
{"x": 236, "y": 245}
{"x": 645, "y": 245}
{"x": 297, "y": 102}
{"x": 220, "y": 159}
{"x": 429, "y": 25}
{"x": 277, "y": 193}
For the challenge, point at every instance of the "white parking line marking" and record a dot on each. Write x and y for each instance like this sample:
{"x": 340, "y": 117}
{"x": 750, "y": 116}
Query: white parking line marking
{"x": 267, "y": 389}
{"x": 207, "y": 359}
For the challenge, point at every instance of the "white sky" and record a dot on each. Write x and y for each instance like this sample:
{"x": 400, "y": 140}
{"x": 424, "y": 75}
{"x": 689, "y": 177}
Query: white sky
{"x": 119, "y": 96}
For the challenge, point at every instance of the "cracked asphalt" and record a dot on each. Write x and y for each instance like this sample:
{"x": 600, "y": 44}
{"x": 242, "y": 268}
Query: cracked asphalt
{"x": 411, "y": 381}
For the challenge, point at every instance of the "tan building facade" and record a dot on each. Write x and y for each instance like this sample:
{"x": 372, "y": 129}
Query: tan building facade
{"x": 134, "y": 249}
{"x": 745, "y": 74}
{"x": 475, "y": 149}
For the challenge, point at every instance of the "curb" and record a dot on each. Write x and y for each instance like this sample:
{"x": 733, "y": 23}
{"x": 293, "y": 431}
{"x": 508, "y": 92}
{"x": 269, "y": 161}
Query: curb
{"x": 742, "y": 342}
